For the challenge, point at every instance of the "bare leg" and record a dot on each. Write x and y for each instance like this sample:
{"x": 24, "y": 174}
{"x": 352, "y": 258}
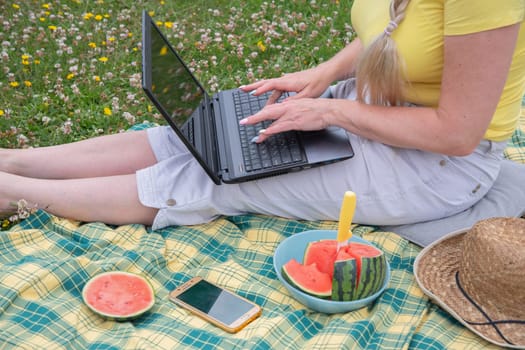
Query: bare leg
{"x": 111, "y": 199}
{"x": 117, "y": 154}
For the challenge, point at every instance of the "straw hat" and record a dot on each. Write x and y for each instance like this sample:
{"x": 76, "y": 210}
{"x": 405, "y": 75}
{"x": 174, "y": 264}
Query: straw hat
{"x": 478, "y": 277}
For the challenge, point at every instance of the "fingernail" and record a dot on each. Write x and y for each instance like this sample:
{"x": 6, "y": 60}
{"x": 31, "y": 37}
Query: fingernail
{"x": 242, "y": 86}
{"x": 243, "y": 121}
{"x": 262, "y": 131}
{"x": 254, "y": 139}
{"x": 253, "y": 92}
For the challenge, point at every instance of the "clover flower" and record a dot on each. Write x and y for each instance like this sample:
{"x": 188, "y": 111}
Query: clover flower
{"x": 23, "y": 211}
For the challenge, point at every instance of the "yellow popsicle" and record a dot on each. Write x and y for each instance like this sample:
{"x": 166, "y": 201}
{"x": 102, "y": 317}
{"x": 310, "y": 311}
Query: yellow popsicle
{"x": 345, "y": 218}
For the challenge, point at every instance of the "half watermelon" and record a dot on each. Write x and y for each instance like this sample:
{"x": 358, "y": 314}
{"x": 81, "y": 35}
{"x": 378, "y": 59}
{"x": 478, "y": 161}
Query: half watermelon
{"x": 355, "y": 272}
{"x": 118, "y": 295}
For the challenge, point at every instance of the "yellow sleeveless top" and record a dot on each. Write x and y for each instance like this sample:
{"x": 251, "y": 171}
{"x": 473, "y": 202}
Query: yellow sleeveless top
{"x": 419, "y": 39}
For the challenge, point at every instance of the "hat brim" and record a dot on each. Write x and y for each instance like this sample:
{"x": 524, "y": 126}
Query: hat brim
{"x": 435, "y": 270}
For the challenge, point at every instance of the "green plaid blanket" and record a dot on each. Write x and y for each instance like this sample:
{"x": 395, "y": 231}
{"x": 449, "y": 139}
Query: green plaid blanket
{"x": 45, "y": 261}
{"x": 516, "y": 148}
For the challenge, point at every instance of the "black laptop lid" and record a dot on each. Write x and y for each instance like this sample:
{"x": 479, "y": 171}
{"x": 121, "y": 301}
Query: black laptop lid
{"x": 175, "y": 92}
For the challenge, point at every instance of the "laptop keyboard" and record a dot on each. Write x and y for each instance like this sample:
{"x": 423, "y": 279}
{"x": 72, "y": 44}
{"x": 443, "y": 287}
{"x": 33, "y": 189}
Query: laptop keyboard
{"x": 279, "y": 149}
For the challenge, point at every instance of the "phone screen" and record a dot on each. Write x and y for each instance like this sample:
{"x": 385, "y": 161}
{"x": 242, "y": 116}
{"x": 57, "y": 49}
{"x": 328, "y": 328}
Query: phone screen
{"x": 217, "y": 303}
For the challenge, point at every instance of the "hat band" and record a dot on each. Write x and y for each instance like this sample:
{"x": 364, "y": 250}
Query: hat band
{"x": 490, "y": 322}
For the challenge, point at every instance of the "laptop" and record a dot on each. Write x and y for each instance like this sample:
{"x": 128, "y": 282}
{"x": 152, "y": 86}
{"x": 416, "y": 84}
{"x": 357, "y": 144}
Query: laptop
{"x": 209, "y": 125}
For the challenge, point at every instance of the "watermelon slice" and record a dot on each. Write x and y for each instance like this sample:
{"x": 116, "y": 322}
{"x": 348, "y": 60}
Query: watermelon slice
{"x": 308, "y": 278}
{"x": 322, "y": 253}
{"x": 355, "y": 272}
{"x": 118, "y": 295}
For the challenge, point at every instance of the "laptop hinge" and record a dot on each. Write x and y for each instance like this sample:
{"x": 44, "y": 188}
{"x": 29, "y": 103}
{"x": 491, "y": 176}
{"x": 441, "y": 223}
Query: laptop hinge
{"x": 210, "y": 135}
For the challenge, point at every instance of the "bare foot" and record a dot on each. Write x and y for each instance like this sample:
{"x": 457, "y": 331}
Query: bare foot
{"x": 10, "y": 206}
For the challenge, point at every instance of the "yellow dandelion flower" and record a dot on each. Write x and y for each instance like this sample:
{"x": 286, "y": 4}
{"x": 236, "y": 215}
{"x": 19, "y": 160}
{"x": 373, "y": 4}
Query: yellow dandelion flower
{"x": 25, "y": 59}
{"x": 70, "y": 76}
{"x": 130, "y": 35}
{"x": 47, "y": 13}
{"x": 107, "y": 111}
{"x": 106, "y": 15}
{"x": 42, "y": 19}
{"x": 92, "y": 45}
{"x": 159, "y": 23}
{"x": 88, "y": 16}
{"x": 45, "y": 6}
{"x": 27, "y": 83}
{"x": 162, "y": 2}
{"x": 111, "y": 39}
{"x": 135, "y": 49}
{"x": 163, "y": 50}
{"x": 15, "y": 6}
{"x": 103, "y": 59}
{"x": 1, "y": 112}
{"x": 98, "y": 18}
{"x": 150, "y": 108}
{"x": 261, "y": 46}
{"x": 168, "y": 25}
{"x": 52, "y": 28}
{"x": 96, "y": 78}
{"x": 14, "y": 84}
{"x": 151, "y": 13}
{"x": 36, "y": 61}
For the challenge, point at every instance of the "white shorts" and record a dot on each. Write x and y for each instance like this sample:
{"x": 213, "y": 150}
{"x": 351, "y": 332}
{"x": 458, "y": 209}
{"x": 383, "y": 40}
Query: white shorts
{"x": 393, "y": 186}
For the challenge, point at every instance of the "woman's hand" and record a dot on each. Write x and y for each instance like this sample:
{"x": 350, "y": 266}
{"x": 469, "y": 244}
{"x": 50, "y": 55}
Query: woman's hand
{"x": 298, "y": 114}
{"x": 308, "y": 83}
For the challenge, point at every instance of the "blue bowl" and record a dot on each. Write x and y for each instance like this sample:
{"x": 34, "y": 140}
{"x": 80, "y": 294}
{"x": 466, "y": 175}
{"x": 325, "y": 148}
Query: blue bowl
{"x": 294, "y": 247}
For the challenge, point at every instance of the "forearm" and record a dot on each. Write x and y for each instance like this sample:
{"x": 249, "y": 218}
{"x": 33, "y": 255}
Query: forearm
{"x": 422, "y": 128}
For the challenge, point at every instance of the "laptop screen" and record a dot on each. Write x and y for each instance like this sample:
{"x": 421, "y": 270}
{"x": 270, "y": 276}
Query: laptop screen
{"x": 172, "y": 85}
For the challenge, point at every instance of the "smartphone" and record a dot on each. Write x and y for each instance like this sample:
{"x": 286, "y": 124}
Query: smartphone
{"x": 217, "y": 305}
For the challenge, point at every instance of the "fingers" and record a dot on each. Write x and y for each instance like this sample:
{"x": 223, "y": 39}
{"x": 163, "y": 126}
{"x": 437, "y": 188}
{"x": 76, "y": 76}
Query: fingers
{"x": 261, "y": 87}
{"x": 252, "y": 87}
{"x": 258, "y": 88}
{"x": 276, "y": 84}
{"x": 274, "y": 97}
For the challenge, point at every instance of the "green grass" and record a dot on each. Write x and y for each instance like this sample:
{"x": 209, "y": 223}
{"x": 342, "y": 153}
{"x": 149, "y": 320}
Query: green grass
{"x": 71, "y": 69}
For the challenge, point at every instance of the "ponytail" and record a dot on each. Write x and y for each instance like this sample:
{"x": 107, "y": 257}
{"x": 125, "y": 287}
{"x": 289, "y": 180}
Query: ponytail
{"x": 380, "y": 74}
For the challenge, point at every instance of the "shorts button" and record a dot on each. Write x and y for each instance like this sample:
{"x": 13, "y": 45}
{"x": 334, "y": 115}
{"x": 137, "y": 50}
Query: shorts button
{"x": 442, "y": 162}
{"x": 171, "y": 202}
{"x": 476, "y": 188}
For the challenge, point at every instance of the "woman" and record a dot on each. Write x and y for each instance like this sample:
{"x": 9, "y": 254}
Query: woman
{"x": 436, "y": 94}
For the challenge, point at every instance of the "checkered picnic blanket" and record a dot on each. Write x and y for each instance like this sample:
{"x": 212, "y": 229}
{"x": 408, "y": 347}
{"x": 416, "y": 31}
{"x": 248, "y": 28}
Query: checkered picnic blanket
{"x": 516, "y": 148}
{"x": 45, "y": 261}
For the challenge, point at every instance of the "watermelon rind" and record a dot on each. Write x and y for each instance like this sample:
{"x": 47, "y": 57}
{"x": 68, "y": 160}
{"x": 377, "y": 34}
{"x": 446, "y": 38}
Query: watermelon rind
{"x": 88, "y": 288}
{"x": 371, "y": 279}
{"x": 354, "y": 280}
{"x": 344, "y": 280}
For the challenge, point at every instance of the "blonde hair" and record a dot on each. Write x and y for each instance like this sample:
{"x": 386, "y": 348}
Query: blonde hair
{"x": 380, "y": 74}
